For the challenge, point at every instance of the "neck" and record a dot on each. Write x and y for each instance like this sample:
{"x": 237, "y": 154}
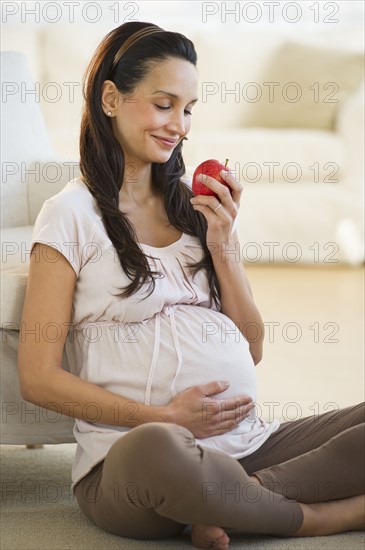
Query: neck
{"x": 137, "y": 184}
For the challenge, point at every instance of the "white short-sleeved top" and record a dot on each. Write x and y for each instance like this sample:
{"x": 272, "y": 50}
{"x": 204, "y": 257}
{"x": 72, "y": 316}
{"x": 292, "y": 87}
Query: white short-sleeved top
{"x": 148, "y": 349}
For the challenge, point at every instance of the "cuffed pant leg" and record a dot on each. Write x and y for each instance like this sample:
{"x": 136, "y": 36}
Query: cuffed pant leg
{"x": 297, "y": 437}
{"x": 333, "y": 471}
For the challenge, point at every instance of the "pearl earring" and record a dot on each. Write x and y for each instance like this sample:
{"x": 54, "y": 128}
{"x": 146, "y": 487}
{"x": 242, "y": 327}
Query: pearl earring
{"x": 109, "y": 113}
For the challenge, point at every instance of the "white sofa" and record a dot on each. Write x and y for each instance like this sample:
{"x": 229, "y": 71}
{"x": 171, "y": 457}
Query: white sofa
{"x": 301, "y": 163}
{"x": 31, "y": 172}
{"x": 325, "y": 205}
{"x": 280, "y": 221}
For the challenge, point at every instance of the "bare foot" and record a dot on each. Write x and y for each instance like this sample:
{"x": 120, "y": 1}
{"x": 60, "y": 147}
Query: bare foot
{"x": 335, "y": 516}
{"x": 356, "y": 519}
{"x": 209, "y": 536}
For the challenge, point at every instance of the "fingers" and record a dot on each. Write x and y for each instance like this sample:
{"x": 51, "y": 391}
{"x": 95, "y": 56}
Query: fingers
{"x": 236, "y": 187}
{"x": 236, "y": 416}
{"x": 229, "y": 403}
{"x": 225, "y": 421}
{"x": 230, "y": 203}
{"x": 219, "y": 386}
{"x": 212, "y": 388}
{"x": 235, "y": 402}
{"x": 220, "y": 416}
{"x": 211, "y": 416}
{"x": 226, "y": 194}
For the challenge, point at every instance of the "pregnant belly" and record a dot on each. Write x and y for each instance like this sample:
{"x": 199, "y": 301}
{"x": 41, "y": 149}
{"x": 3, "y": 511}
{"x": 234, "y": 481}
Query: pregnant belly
{"x": 212, "y": 348}
{"x": 155, "y": 360}
{"x": 164, "y": 356}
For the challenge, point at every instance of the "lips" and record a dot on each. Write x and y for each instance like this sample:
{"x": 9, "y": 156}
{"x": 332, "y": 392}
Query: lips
{"x": 168, "y": 142}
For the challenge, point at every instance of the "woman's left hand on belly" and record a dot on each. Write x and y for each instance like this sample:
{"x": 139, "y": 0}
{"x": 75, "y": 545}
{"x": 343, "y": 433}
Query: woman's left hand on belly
{"x": 200, "y": 410}
{"x": 220, "y": 220}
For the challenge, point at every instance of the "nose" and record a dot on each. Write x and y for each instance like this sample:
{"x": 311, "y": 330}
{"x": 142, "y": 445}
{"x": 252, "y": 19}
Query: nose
{"x": 177, "y": 122}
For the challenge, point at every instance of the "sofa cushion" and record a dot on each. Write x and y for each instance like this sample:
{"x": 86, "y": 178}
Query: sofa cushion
{"x": 13, "y": 287}
{"x": 15, "y": 248}
{"x": 222, "y": 77}
{"x": 54, "y": 175}
{"x": 24, "y": 137}
{"x": 315, "y": 156}
{"x": 312, "y": 83}
{"x": 25, "y": 423}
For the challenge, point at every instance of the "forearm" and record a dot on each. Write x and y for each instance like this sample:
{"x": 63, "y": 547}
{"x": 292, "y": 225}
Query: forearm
{"x": 65, "y": 393}
{"x": 236, "y": 296}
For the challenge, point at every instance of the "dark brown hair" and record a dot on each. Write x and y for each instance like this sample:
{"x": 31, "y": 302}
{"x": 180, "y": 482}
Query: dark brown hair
{"x": 102, "y": 161}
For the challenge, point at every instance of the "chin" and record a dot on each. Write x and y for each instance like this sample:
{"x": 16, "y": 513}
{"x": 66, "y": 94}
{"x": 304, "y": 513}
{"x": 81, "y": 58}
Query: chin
{"x": 159, "y": 161}
{"x": 161, "y": 158}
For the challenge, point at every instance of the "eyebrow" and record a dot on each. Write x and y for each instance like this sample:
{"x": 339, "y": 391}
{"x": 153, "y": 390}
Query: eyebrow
{"x": 172, "y": 95}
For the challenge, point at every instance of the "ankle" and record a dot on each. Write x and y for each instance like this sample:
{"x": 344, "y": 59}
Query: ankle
{"x": 308, "y": 527}
{"x": 329, "y": 518}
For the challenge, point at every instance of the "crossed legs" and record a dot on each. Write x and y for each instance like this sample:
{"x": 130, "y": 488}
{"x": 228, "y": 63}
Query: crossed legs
{"x": 155, "y": 480}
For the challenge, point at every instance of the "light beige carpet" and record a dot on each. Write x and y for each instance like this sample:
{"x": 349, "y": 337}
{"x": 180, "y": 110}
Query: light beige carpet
{"x": 39, "y": 512}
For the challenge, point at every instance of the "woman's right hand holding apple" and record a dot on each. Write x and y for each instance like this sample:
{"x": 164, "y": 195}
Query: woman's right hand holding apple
{"x": 205, "y": 416}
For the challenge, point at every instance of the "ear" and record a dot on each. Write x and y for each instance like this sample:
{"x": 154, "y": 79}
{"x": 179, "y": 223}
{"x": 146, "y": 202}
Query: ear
{"x": 109, "y": 96}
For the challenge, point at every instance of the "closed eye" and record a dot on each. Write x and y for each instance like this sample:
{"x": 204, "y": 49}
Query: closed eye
{"x": 162, "y": 108}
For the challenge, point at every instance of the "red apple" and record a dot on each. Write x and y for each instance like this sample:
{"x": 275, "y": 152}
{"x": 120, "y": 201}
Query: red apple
{"x": 211, "y": 168}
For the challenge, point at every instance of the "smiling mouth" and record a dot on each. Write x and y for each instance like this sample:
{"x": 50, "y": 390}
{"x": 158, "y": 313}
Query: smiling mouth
{"x": 166, "y": 141}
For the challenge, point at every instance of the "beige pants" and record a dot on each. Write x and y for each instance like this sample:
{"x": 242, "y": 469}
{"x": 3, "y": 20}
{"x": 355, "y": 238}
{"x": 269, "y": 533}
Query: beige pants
{"x": 155, "y": 480}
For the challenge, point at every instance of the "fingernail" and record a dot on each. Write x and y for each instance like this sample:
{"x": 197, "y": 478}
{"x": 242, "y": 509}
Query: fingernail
{"x": 202, "y": 177}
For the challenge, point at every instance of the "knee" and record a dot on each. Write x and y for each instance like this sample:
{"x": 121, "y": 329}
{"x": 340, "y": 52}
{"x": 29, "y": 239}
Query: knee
{"x": 153, "y": 443}
{"x": 163, "y": 434}
{"x": 173, "y": 433}
{"x": 356, "y": 414}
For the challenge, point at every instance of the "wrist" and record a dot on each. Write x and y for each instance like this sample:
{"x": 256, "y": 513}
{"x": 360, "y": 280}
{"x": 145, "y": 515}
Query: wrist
{"x": 227, "y": 253}
{"x": 154, "y": 414}
{"x": 166, "y": 414}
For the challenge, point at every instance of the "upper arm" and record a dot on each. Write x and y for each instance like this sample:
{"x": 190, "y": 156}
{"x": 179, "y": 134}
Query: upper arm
{"x": 46, "y": 313}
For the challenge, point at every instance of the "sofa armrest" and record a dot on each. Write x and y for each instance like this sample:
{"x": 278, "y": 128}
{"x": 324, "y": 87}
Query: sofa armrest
{"x": 350, "y": 126}
{"x": 45, "y": 179}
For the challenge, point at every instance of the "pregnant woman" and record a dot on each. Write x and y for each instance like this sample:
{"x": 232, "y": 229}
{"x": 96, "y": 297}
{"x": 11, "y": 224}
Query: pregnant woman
{"x": 162, "y": 333}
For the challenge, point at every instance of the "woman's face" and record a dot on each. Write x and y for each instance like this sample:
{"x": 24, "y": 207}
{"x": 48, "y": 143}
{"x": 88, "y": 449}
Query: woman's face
{"x": 150, "y": 123}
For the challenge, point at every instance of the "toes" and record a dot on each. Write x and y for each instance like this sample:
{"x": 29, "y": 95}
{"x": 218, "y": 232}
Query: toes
{"x": 220, "y": 543}
{"x": 209, "y": 537}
